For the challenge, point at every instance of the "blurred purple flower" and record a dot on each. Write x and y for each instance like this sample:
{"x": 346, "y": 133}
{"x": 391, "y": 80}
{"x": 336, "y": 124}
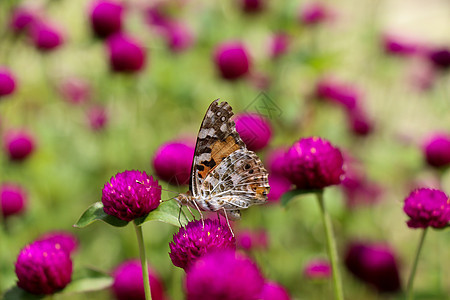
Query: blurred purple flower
{"x": 276, "y": 161}
{"x": 195, "y": 241}
{"x": 63, "y": 240}
{"x": 314, "y": 13}
{"x": 19, "y": 144}
{"x": 427, "y": 208}
{"x": 274, "y": 291}
{"x": 400, "y": 46}
{"x": 252, "y": 239}
{"x": 126, "y": 55}
{"x": 235, "y": 278}
{"x": 43, "y": 268}
{"x": 375, "y": 265}
{"x": 75, "y": 90}
{"x": 7, "y": 82}
{"x": 21, "y": 19}
{"x": 360, "y": 124}
{"x": 279, "y": 185}
{"x": 172, "y": 162}
{"x": 97, "y": 117}
{"x": 13, "y": 199}
{"x": 317, "y": 269}
{"x": 178, "y": 37}
{"x": 440, "y": 58}
{"x": 156, "y": 16}
{"x": 45, "y": 36}
{"x": 232, "y": 60}
{"x": 128, "y": 283}
{"x": 279, "y": 44}
{"x": 106, "y": 17}
{"x": 252, "y": 6}
{"x": 313, "y": 163}
{"x": 254, "y": 129}
{"x": 339, "y": 92}
{"x": 436, "y": 150}
{"x": 130, "y": 195}
{"x": 422, "y": 74}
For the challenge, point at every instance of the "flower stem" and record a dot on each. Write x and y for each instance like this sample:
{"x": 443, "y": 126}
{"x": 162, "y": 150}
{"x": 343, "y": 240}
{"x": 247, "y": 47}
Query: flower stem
{"x": 140, "y": 238}
{"x": 331, "y": 248}
{"x": 409, "y": 288}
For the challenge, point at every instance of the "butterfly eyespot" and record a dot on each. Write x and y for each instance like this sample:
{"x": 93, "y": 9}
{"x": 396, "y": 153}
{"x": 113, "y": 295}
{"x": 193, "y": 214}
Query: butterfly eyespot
{"x": 222, "y": 119}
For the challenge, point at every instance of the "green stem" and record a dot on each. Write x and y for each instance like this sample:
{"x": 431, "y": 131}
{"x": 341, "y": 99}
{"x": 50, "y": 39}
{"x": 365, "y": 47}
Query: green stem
{"x": 140, "y": 238}
{"x": 409, "y": 288}
{"x": 331, "y": 248}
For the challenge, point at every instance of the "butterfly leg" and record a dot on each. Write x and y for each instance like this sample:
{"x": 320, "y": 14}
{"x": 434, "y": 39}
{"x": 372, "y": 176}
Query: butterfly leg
{"x": 200, "y": 212}
{"x": 228, "y": 222}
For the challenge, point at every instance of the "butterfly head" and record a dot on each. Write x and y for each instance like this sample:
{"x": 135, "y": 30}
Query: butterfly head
{"x": 184, "y": 199}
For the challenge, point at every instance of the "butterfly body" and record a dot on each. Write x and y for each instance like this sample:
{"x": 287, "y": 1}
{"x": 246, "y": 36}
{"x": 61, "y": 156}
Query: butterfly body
{"x": 225, "y": 175}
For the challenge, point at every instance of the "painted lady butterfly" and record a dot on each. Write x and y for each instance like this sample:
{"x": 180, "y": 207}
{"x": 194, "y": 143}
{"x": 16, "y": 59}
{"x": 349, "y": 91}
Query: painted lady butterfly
{"x": 226, "y": 177}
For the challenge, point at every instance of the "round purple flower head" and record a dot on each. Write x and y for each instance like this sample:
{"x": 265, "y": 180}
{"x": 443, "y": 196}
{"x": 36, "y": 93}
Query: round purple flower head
{"x": 97, "y": 117}
{"x": 427, "y": 208}
{"x": 279, "y": 44}
{"x": 178, "y": 37}
{"x": 375, "y": 265}
{"x": 66, "y": 241}
{"x": 172, "y": 162}
{"x": 254, "y": 130}
{"x": 313, "y": 163}
{"x": 437, "y": 150}
{"x": 106, "y": 17}
{"x": 440, "y": 58}
{"x": 251, "y": 240}
{"x": 396, "y": 45}
{"x": 12, "y": 199}
{"x": 194, "y": 241}
{"x": 279, "y": 185}
{"x": 273, "y": 290}
{"x": 75, "y": 90}
{"x": 234, "y": 278}
{"x": 19, "y": 144}
{"x": 21, "y": 19}
{"x": 313, "y": 13}
{"x": 43, "y": 268}
{"x": 232, "y": 60}
{"x": 128, "y": 283}
{"x": 125, "y": 54}
{"x": 317, "y": 269}
{"x": 338, "y": 92}
{"x": 45, "y": 36}
{"x": 252, "y": 6}
{"x": 360, "y": 124}
{"x": 130, "y": 195}
{"x": 7, "y": 82}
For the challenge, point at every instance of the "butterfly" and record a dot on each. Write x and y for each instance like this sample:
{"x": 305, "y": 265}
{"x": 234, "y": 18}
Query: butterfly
{"x": 226, "y": 177}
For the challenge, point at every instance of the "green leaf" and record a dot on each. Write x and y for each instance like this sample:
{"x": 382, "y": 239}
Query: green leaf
{"x": 88, "y": 285}
{"x": 16, "y": 293}
{"x": 167, "y": 212}
{"x": 287, "y": 197}
{"x": 95, "y": 212}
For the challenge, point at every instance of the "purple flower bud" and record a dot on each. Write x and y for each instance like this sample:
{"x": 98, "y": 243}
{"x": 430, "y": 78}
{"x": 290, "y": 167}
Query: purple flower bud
{"x": 313, "y": 13}
{"x": 235, "y": 278}
{"x": 360, "y": 124}
{"x": 13, "y": 199}
{"x": 43, "y": 268}
{"x": 252, "y": 6}
{"x": 172, "y": 162}
{"x": 21, "y": 19}
{"x": 279, "y": 185}
{"x": 427, "y": 208}
{"x": 232, "y": 60}
{"x": 313, "y": 163}
{"x": 128, "y": 283}
{"x": 375, "y": 265}
{"x": 156, "y": 16}
{"x": 252, "y": 240}
{"x": 178, "y": 37}
{"x": 273, "y": 290}
{"x": 75, "y": 90}
{"x": 18, "y": 144}
{"x": 254, "y": 129}
{"x": 195, "y": 241}
{"x": 106, "y": 17}
{"x": 130, "y": 195}
{"x": 7, "y": 82}
{"x": 338, "y": 92}
{"x": 125, "y": 54}
{"x": 440, "y": 58}
{"x": 437, "y": 150}
{"x": 317, "y": 269}
{"x": 45, "y": 36}
{"x": 279, "y": 45}
{"x": 97, "y": 117}
{"x": 64, "y": 240}
{"x": 400, "y": 46}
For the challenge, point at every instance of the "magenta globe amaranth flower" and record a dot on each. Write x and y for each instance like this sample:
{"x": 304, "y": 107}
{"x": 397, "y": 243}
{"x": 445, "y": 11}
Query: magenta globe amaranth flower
{"x": 427, "y": 208}
{"x": 400, "y": 46}
{"x": 13, "y": 199}
{"x": 314, "y": 163}
{"x": 64, "y": 240}
{"x": 75, "y": 90}
{"x": 360, "y": 123}
{"x": 275, "y": 161}
{"x": 178, "y": 37}
{"x": 43, "y": 268}
{"x": 172, "y": 162}
{"x": 339, "y": 92}
{"x": 437, "y": 150}
{"x": 272, "y": 290}
{"x": 253, "y": 239}
{"x": 279, "y": 45}
{"x": 252, "y": 6}
{"x": 224, "y": 275}
{"x": 279, "y": 185}
{"x": 97, "y": 117}
{"x": 7, "y": 82}
{"x": 196, "y": 240}
{"x": 232, "y": 60}
{"x": 440, "y": 58}
{"x": 317, "y": 269}
{"x": 130, "y": 195}
{"x": 254, "y": 129}
{"x": 126, "y": 55}
{"x": 313, "y": 13}
{"x": 106, "y": 17}
{"x": 45, "y": 37}
{"x": 375, "y": 265}
{"x": 18, "y": 144}
{"x": 21, "y": 19}
{"x": 128, "y": 283}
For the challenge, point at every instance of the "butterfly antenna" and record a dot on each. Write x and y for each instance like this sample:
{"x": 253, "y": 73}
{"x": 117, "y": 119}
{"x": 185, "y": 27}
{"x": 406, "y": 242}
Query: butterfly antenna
{"x": 228, "y": 222}
{"x": 140, "y": 182}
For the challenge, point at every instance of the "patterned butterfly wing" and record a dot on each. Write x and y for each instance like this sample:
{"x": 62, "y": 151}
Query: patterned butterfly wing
{"x": 216, "y": 140}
